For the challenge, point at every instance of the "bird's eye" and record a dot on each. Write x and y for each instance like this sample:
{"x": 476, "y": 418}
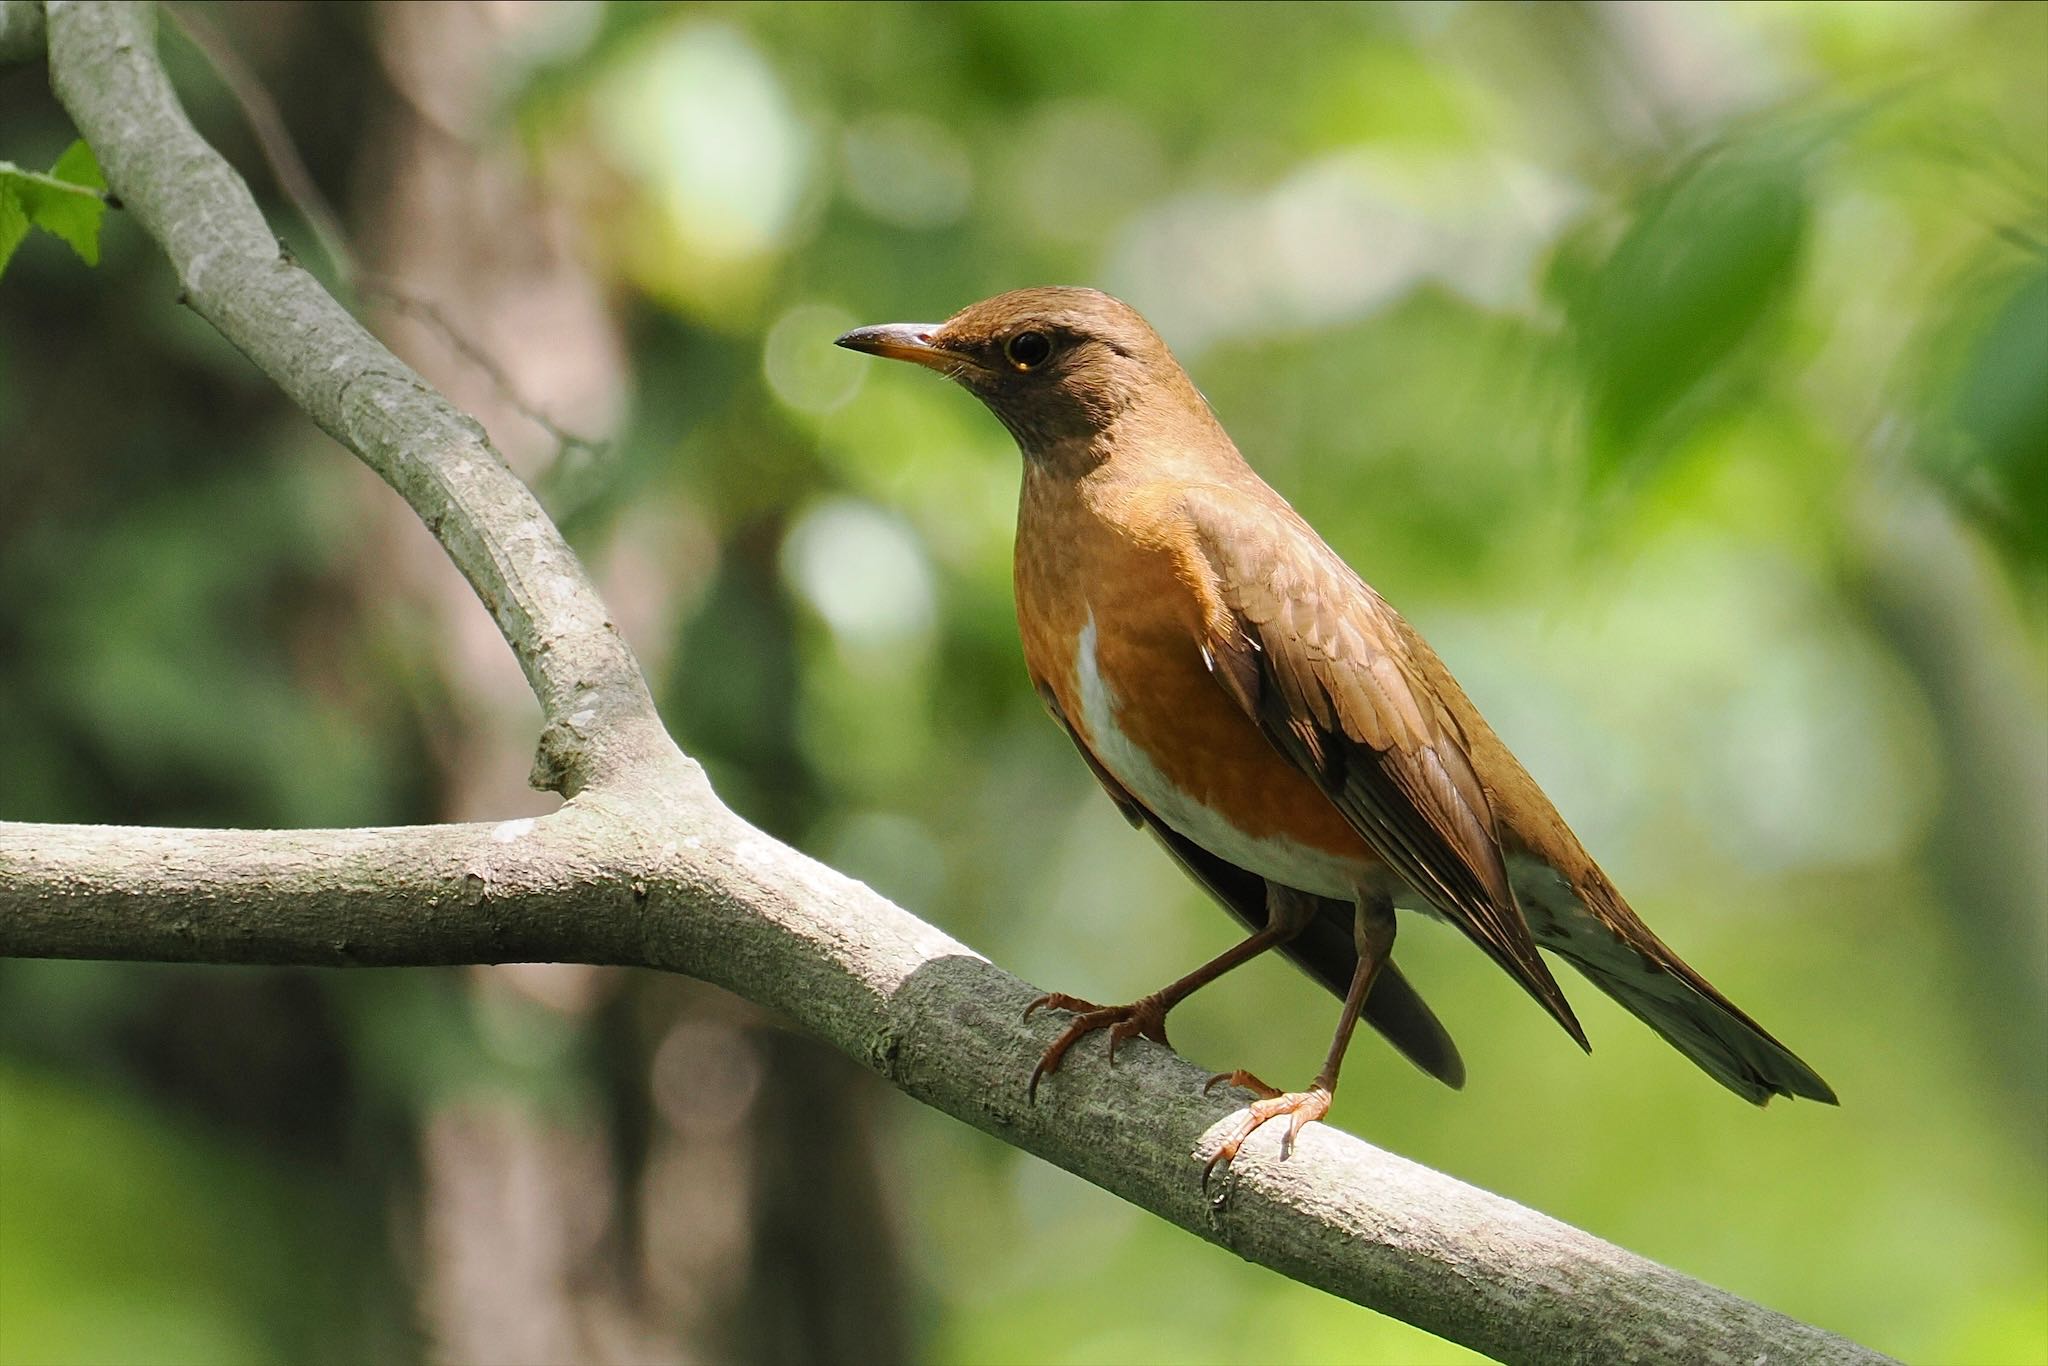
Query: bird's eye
{"x": 1028, "y": 350}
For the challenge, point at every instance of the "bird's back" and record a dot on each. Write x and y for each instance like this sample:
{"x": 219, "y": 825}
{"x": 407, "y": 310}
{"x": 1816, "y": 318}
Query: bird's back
{"x": 1223, "y": 666}
{"x": 1574, "y": 910}
{"x": 1112, "y": 601}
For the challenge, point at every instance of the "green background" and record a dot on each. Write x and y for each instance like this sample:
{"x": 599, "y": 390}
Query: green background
{"x": 1681, "y": 371}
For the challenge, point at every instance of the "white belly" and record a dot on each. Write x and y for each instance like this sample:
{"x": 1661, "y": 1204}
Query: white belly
{"x": 1279, "y": 860}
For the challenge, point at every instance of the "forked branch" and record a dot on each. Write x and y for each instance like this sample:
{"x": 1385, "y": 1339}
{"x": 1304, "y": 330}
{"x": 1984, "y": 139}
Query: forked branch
{"x": 643, "y": 866}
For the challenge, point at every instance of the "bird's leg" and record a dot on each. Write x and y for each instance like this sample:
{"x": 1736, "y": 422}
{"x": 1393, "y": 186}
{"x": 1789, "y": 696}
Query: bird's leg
{"x": 1288, "y": 912}
{"x": 1373, "y": 930}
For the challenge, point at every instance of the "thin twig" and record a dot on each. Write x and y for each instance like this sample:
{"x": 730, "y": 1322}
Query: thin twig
{"x": 295, "y": 182}
{"x": 273, "y": 139}
{"x": 398, "y": 300}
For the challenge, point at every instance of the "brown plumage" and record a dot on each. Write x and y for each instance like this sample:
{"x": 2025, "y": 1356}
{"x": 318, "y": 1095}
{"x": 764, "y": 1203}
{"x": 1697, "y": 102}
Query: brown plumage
{"x": 1288, "y": 737}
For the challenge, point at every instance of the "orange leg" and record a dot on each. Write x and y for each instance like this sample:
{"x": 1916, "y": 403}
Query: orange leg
{"x": 1374, "y": 932}
{"x": 1287, "y": 914}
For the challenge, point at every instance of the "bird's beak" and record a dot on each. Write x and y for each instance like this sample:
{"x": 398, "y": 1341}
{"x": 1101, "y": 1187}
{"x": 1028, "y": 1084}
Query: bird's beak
{"x": 901, "y": 341}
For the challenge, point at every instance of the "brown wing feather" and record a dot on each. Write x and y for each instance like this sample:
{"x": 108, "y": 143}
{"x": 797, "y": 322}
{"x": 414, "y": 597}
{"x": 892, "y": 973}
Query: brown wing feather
{"x": 1326, "y": 950}
{"x": 1321, "y": 663}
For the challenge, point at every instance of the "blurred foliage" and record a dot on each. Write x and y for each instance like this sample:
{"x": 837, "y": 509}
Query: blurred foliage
{"x": 1682, "y": 371}
{"x": 1709, "y": 254}
{"x": 1997, "y": 467}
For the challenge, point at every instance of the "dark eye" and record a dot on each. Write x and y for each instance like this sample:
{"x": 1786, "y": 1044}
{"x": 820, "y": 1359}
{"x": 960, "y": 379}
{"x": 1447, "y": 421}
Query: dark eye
{"x": 1028, "y": 350}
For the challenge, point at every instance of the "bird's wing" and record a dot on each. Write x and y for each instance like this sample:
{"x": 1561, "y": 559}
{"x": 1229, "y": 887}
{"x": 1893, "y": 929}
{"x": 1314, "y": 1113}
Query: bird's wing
{"x": 1325, "y": 668}
{"x": 1326, "y": 950}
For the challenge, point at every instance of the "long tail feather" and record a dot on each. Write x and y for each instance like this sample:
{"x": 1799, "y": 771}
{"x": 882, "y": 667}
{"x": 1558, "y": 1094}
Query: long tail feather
{"x": 1624, "y": 959}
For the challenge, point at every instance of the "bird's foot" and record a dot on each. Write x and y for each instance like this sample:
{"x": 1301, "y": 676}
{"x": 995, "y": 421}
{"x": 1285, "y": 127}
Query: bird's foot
{"x": 1144, "y": 1018}
{"x": 1301, "y": 1107}
{"x": 1243, "y": 1081}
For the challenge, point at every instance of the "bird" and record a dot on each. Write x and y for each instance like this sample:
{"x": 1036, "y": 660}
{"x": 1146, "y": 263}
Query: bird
{"x": 1288, "y": 738}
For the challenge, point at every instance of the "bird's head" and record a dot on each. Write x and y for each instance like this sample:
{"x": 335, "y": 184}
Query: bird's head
{"x": 1060, "y": 367}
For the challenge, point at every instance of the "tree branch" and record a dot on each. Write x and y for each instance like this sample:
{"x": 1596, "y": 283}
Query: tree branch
{"x": 600, "y": 719}
{"x": 643, "y": 866}
{"x": 597, "y": 883}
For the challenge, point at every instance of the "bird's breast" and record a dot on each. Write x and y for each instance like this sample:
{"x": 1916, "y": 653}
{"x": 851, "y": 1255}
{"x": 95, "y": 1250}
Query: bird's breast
{"x": 1179, "y": 744}
{"x": 1111, "y": 611}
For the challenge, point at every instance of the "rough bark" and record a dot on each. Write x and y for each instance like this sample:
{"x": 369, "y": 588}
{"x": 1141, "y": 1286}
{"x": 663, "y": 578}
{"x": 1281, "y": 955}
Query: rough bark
{"x": 643, "y": 866}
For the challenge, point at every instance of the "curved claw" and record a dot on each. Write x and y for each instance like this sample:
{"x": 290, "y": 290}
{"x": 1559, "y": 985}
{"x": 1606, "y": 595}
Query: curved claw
{"x": 1140, "y": 1019}
{"x": 1059, "y": 1000}
{"x": 1243, "y": 1080}
{"x": 1142, "y": 1023}
{"x": 1031, "y": 1087}
{"x": 1301, "y": 1107}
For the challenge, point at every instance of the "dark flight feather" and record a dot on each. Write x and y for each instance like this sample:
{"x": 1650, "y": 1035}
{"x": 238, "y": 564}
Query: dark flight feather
{"x": 1336, "y": 696}
{"x": 1326, "y": 949}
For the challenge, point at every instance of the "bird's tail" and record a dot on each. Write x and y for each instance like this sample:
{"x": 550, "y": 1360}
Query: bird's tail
{"x": 1625, "y": 960}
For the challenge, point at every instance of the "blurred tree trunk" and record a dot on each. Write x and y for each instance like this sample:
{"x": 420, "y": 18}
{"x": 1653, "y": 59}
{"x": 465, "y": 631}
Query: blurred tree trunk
{"x": 711, "y": 1194}
{"x": 1936, "y": 597}
{"x": 110, "y": 437}
{"x": 725, "y": 1206}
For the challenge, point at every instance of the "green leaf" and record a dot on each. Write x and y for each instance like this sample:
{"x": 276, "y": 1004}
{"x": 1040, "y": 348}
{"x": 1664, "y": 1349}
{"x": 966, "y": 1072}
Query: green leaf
{"x": 73, "y": 216}
{"x": 2000, "y": 409}
{"x": 1710, "y": 254}
{"x": 13, "y": 218}
{"x": 68, "y": 202}
{"x": 79, "y": 167}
